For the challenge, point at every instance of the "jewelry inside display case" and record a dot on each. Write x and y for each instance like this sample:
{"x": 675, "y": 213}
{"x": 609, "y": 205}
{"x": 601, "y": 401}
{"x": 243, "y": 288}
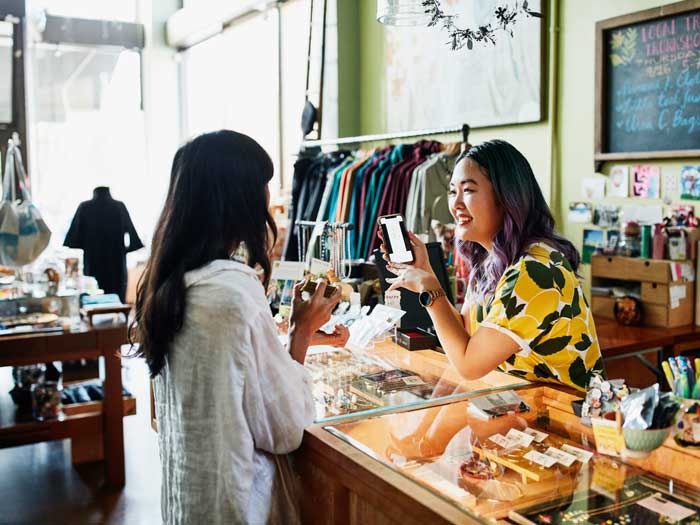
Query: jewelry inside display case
{"x": 534, "y": 466}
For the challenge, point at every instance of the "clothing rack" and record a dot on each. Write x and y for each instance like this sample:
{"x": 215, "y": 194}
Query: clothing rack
{"x": 464, "y": 128}
{"x": 351, "y": 189}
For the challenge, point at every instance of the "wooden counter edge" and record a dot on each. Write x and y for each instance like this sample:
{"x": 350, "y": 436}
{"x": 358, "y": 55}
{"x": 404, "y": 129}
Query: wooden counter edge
{"x": 395, "y": 496}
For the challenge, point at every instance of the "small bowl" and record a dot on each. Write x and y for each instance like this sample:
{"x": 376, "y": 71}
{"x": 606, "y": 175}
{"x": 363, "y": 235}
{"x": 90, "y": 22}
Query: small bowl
{"x": 639, "y": 443}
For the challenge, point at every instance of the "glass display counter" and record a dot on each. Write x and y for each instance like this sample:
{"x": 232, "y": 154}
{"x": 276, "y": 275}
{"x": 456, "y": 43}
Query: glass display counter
{"x": 389, "y": 378}
{"x": 536, "y": 466}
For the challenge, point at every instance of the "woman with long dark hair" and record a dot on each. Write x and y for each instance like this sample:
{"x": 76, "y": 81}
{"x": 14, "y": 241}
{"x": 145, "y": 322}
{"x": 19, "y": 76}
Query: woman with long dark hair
{"x": 525, "y": 311}
{"x": 228, "y": 396}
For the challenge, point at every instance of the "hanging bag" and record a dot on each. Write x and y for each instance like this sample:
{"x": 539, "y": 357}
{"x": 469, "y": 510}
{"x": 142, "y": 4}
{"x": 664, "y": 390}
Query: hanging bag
{"x": 23, "y": 233}
{"x": 311, "y": 115}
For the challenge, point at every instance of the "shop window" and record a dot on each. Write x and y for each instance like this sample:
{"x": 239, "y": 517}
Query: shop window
{"x": 230, "y": 81}
{"x": 118, "y": 10}
{"x": 234, "y": 80}
{"x": 86, "y": 130}
{"x": 5, "y": 73}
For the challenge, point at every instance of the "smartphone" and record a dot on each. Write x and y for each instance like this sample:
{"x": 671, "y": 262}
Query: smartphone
{"x": 396, "y": 241}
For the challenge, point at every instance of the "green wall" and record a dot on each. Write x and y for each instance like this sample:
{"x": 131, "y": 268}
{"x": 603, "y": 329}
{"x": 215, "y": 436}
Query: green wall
{"x": 577, "y": 98}
{"x": 560, "y": 148}
{"x": 349, "y": 55}
{"x": 531, "y": 139}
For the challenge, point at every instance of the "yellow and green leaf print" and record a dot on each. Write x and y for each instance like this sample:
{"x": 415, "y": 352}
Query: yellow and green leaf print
{"x": 623, "y": 45}
{"x": 539, "y": 303}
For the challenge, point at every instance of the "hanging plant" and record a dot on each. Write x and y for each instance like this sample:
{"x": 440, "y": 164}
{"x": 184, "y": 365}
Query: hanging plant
{"x": 505, "y": 18}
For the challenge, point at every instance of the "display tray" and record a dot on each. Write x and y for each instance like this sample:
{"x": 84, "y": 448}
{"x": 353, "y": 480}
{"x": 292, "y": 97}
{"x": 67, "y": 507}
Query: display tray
{"x": 537, "y": 466}
{"x": 389, "y": 378}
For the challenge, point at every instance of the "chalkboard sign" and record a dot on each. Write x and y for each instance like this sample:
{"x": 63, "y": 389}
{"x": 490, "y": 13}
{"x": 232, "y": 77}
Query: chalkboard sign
{"x": 648, "y": 84}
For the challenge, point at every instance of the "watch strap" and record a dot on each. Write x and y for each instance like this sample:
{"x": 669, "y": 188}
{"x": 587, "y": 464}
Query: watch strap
{"x": 434, "y": 295}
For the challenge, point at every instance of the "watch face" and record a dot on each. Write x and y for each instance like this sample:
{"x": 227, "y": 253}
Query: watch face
{"x": 424, "y": 299}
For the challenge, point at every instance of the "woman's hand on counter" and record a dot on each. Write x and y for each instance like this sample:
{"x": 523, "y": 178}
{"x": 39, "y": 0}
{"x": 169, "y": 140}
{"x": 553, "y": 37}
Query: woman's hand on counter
{"x": 338, "y": 338}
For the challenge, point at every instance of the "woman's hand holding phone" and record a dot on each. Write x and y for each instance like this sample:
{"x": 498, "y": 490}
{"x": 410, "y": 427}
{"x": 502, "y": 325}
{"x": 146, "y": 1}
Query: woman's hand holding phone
{"x": 416, "y": 276}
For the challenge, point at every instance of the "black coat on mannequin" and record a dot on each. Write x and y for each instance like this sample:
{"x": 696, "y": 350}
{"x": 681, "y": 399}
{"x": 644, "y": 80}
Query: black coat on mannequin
{"x": 102, "y": 228}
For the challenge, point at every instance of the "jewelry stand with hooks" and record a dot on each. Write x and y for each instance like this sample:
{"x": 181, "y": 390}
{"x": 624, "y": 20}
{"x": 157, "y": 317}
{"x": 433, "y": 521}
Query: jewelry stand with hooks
{"x": 332, "y": 243}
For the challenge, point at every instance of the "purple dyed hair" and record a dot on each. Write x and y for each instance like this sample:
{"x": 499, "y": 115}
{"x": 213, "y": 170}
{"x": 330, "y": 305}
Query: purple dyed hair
{"x": 526, "y": 220}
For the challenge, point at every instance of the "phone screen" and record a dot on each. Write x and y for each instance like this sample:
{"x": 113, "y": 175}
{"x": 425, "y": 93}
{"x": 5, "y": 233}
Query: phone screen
{"x": 396, "y": 239}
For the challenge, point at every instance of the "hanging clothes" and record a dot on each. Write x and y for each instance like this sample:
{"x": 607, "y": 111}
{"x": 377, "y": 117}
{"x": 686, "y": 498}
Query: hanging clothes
{"x": 398, "y": 183}
{"x": 435, "y": 186}
{"x": 427, "y": 199}
{"x": 346, "y": 186}
{"x": 414, "y": 194}
{"x": 411, "y": 179}
{"x": 301, "y": 171}
{"x": 357, "y": 201}
{"x": 375, "y": 193}
{"x": 308, "y": 190}
{"x": 102, "y": 228}
{"x": 333, "y": 204}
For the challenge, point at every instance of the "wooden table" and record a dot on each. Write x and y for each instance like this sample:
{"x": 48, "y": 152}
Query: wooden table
{"x": 618, "y": 341}
{"x": 84, "y": 343}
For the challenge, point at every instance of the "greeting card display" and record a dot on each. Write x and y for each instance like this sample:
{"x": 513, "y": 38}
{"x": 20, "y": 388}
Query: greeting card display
{"x": 646, "y": 181}
{"x": 690, "y": 182}
{"x": 618, "y": 181}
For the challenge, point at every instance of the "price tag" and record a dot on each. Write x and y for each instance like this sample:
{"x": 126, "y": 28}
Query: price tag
{"x": 540, "y": 459}
{"x": 584, "y": 456}
{"x": 668, "y": 509}
{"x": 318, "y": 229}
{"x": 393, "y": 299}
{"x": 562, "y": 457}
{"x": 539, "y": 436}
{"x": 520, "y": 437}
{"x": 287, "y": 271}
{"x": 608, "y": 436}
{"x": 319, "y": 267}
{"x": 413, "y": 381}
{"x": 502, "y": 441}
{"x": 451, "y": 489}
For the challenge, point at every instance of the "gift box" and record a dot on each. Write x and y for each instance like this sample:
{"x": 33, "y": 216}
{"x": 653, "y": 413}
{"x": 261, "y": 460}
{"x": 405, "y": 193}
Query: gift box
{"x": 416, "y": 339}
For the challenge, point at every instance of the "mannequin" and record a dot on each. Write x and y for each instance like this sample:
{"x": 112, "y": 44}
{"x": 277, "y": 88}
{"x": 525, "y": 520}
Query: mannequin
{"x": 102, "y": 228}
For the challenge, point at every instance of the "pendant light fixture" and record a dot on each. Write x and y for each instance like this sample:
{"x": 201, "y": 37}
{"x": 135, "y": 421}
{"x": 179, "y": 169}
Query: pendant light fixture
{"x": 402, "y": 13}
{"x": 431, "y": 14}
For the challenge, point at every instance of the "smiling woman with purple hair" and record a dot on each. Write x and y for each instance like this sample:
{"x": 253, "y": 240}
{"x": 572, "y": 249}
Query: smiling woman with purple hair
{"x": 525, "y": 310}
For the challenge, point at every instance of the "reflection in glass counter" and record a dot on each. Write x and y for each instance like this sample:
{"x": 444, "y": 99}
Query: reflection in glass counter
{"x": 521, "y": 466}
{"x": 388, "y": 377}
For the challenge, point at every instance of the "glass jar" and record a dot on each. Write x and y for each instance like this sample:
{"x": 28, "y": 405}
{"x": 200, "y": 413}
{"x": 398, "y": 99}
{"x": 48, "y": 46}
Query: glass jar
{"x": 46, "y": 400}
{"x": 631, "y": 240}
{"x": 402, "y": 13}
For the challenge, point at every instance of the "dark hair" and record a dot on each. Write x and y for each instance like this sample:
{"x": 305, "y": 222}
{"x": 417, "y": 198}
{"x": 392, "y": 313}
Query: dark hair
{"x": 216, "y": 203}
{"x": 526, "y": 217}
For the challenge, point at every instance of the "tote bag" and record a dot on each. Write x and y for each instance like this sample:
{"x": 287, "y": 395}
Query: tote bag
{"x": 23, "y": 233}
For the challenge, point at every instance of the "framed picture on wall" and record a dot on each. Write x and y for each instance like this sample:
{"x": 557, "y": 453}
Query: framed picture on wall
{"x": 647, "y": 100}
{"x": 428, "y": 86}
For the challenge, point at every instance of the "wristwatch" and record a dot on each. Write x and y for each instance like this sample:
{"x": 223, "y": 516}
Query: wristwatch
{"x": 428, "y": 297}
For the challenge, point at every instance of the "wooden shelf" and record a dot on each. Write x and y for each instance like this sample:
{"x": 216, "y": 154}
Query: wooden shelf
{"x": 93, "y": 407}
{"x": 78, "y": 419}
{"x": 50, "y": 430}
{"x": 97, "y": 435}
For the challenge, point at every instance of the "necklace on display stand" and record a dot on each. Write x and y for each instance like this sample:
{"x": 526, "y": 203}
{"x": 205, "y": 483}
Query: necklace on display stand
{"x": 343, "y": 263}
{"x": 303, "y": 241}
